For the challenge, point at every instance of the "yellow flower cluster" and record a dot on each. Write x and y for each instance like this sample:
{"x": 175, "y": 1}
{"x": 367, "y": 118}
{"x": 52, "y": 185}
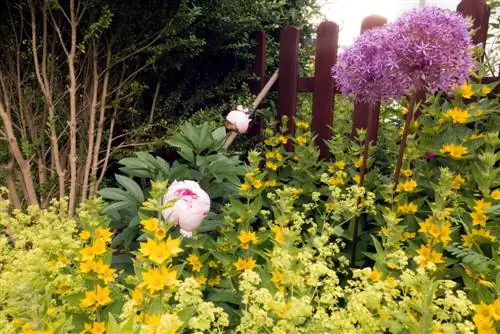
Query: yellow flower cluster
{"x": 479, "y": 233}
{"x": 255, "y": 179}
{"x": 408, "y": 208}
{"x": 245, "y": 264}
{"x": 407, "y": 186}
{"x": 93, "y": 261}
{"x": 486, "y": 316}
{"x": 247, "y": 237}
{"x": 437, "y": 229}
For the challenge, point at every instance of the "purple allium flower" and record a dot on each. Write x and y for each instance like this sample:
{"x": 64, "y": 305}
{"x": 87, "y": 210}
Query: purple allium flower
{"x": 425, "y": 49}
{"x": 362, "y": 69}
{"x": 432, "y": 47}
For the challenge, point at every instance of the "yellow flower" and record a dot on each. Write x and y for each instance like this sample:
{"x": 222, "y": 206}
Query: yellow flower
{"x": 335, "y": 181}
{"x": 485, "y": 310}
{"x": 282, "y": 139}
{"x": 246, "y": 237}
{"x": 96, "y": 328}
{"x": 270, "y": 183}
{"x": 202, "y": 280}
{"x": 279, "y": 234}
{"x": 242, "y": 264}
{"x": 495, "y": 194}
{"x": 484, "y": 233}
{"x": 301, "y": 140}
{"x": 408, "y": 208}
{"x": 483, "y": 325}
{"x": 375, "y": 275}
{"x": 87, "y": 266}
{"x": 477, "y": 113}
{"x": 51, "y": 311}
{"x": 391, "y": 282}
{"x": 426, "y": 225}
{"x": 160, "y": 233}
{"x": 99, "y": 247}
{"x": 485, "y": 90}
{"x": 87, "y": 253}
{"x": 214, "y": 281}
{"x": 455, "y": 151}
{"x": 340, "y": 164}
{"x": 302, "y": 125}
{"x": 428, "y": 257}
{"x": 147, "y": 247}
{"x": 137, "y": 296}
{"x": 466, "y": 91}
{"x": 212, "y": 264}
{"x": 257, "y": 184}
{"x": 277, "y": 278}
{"x": 269, "y": 155}
{"x": 457, "y": 115}
{"x": 103, "y": 234}
{"x": 157, "y": 279}
{"x": 468, "y": 240}
{"x": 481, "y": 205}
{"x": 408, "y": 235}
{"x": 271, "y": 165}
{"x": 102, "y": 296}
{"x": 479, "y": 218}
{"x": 407, "y": 186}
{"x": 278, "y": 156}
{"x": 407, "y": 172}
{"x": 150, "y": 224}
{"x": 244, "y": 187}
{"x": 357, "y": 178}
{"x": 457, "y": 182}
{"x": 358, "y": 162}
{"x": 434, "y": 231}
{"x": 85, "y": 235}
{"x": 329, "y": 206}
{"x": 445, "y": 233}
{"x": 194, "y": 262}
{"x": 496, "y": 309}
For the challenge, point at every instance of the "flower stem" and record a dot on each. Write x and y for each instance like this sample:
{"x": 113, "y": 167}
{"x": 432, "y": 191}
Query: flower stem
{"x": 402, "y": 145}
{"x": 364, "y": 163}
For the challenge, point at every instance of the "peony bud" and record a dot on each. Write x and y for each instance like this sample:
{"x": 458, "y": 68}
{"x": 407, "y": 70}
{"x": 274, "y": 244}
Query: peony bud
{"x": 191, "y": 205}
{"x": 238, "y": 119}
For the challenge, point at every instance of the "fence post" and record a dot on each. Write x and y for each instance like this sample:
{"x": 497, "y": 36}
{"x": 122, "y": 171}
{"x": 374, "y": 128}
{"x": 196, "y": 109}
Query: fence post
{"x": 288, "y": 72}
{"x": 324, "y": 94}
{"x": 480, "y": 13}
{"x": 363, "y": 111}
{"x": 259, "y": 69}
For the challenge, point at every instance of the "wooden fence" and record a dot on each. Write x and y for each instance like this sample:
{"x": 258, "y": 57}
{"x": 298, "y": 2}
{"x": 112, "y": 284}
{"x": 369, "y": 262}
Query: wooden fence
{"x": 322, "y": 85}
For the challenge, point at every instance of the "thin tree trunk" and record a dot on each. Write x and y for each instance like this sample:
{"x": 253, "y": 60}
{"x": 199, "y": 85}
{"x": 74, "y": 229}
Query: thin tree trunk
{"x": 155, "y": 99}
{"x": 11, "y": 186}
{"x": 100, "y": 126}
{"x": 72, "y": 110}
{"x": 91, "y": 127}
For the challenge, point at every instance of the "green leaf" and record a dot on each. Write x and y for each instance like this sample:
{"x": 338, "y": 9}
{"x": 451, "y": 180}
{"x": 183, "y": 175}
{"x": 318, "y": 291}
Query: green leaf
{"x": 219, "y": 134}
{"x": 133, "y": 188}
{"x": 228, "y": 296}
{"x": 115, "y": 194}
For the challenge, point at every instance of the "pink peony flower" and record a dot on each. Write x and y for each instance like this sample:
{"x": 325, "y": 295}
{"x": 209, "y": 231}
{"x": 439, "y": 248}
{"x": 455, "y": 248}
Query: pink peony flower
{"x": 238, "y": 119}
{"x": 191, "y": 205}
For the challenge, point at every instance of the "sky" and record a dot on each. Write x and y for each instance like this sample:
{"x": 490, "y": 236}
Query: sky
{"x": 348, "y": 14}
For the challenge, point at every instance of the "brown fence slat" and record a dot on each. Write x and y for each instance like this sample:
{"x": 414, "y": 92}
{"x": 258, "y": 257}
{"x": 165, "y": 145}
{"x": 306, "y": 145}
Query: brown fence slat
{"x": 288, "y": 77}
{"x": 362, "y": 111}
{"x": 323, "y": 97}
{"x": 480, "y": 13}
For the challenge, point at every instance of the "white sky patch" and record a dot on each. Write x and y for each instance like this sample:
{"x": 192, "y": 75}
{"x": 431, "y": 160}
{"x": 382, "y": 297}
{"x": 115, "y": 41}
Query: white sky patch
{"x": 348, "y": 14}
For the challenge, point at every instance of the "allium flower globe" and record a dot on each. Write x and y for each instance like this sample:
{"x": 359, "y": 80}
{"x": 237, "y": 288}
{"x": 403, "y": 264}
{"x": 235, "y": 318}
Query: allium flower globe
{"x": 362, "y": 69}
{"x": 238, "y": 119}
{"x": 191, "y": 205}
{"x": 432, "y": 48}
{"x": 425, "y": 49}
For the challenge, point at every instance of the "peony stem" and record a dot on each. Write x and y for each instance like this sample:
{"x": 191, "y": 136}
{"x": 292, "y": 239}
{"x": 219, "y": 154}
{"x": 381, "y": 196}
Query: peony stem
{"x": 255, "y": 104}
{"x": 402, "y": 145}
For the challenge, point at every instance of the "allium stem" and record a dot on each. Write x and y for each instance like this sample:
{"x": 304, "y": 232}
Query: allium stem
{"x": 364, "y": 163}
{"x": 402, "y": 145}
